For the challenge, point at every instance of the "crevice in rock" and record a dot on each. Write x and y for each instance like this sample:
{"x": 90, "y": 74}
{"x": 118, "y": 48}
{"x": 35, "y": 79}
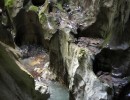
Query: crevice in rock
{"x": 112, "y": 67}
{"x": 28, "y": 28}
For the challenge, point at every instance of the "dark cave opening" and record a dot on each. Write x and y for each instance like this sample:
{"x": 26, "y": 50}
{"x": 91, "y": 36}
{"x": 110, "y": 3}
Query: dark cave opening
{"x": 113, "y": 66}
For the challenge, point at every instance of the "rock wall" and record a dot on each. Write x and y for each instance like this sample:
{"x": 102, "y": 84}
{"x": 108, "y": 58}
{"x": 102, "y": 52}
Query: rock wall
{"x": 63, "y": 25}
{"x": 71, "y": 63}
{"x": 73, "y": 66}
{"x": 28, "y": 28}
{"x": 6, "y": 36}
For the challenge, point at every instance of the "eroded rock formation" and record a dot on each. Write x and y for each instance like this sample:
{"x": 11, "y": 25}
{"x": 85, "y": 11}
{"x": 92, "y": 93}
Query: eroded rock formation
{"x": 71, "y": 58}
{"x": 95, "y": 19}
{"x": 16, "y": 83}
{"x": 73, "y": 65}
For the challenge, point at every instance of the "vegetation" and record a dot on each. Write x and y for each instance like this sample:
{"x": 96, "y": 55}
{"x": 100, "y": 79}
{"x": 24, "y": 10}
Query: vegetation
{"x": 9, "y": 3}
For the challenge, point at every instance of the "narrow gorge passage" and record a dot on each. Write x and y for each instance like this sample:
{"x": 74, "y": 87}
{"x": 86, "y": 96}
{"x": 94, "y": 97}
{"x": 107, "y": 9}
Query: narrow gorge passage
{"x": 65, "y": 49}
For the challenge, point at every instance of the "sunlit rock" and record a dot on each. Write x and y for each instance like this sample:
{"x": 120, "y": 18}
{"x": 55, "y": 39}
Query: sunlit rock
{"x": 73, "y": 65}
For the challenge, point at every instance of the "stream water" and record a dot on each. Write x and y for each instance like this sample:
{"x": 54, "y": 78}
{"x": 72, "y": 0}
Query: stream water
{"x": 58, "y": 91}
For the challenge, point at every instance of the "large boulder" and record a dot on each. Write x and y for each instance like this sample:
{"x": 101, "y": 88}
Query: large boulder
{"x": 16, "y": 83}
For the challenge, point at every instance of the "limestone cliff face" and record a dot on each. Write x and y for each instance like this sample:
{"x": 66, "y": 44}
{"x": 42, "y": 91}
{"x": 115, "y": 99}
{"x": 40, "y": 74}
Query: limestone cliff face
{"x": 73, "y": 65}
{"x": 106, "y": 19}
{"x": 70, "y": 19}
{"x": 110, "y": 21}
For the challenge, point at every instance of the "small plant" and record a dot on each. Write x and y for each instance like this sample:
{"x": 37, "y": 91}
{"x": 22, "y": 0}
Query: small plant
{"x": 33, "y": 8}
{"x": 9, "y": 3}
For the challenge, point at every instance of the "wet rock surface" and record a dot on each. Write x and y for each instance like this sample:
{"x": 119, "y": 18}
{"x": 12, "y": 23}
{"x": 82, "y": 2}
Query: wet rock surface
{"x": 35, "y": 59}
{"x": 93, "y": 44}
{"x": 76, "y": 65}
